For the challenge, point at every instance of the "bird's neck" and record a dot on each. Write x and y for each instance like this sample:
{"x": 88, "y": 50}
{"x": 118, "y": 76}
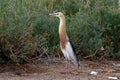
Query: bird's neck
{"x": 62, "y": 26}
{"x": 62, "y": 29}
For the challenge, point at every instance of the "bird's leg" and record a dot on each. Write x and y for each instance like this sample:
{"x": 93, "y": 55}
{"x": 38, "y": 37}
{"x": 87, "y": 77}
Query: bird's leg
{"x": 67, "y": 71}
{"x": 68, "y": 67}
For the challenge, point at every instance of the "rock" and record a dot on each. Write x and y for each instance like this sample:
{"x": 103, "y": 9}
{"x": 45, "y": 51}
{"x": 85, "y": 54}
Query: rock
{"x": 112, "y": 78}
{"x": 93, "y": 72}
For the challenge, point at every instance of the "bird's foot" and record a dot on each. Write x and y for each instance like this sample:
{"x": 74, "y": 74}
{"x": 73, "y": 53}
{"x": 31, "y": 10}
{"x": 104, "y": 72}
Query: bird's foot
{"x": 66, "y": 72}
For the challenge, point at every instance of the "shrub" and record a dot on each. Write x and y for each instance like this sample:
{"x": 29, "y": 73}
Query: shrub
{"x": 27, "y": 31}
{"x": 98, "y": 26}
{"x": 17, "y": 42}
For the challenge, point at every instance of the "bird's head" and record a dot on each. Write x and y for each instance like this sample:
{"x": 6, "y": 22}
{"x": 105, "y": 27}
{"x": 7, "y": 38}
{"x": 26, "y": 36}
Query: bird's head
{"x": 57, "y": 14}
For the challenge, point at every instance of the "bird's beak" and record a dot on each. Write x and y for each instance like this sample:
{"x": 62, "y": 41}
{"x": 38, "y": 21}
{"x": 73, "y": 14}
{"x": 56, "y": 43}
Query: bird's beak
{"x": 51, "y": 14}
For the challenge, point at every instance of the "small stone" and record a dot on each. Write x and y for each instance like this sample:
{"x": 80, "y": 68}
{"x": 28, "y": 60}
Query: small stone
{"x": 112, "y": 78}
{"x": 93, "y": 72}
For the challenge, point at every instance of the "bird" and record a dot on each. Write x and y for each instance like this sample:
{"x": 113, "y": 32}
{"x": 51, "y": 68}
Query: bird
{"x": 66, "y": 45}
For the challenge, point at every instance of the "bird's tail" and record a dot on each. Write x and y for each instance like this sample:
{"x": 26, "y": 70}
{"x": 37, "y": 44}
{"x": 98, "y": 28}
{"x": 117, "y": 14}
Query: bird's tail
{"x": 75, "y": 58}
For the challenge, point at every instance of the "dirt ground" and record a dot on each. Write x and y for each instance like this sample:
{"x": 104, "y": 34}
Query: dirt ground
{"x": 51, "y": 71}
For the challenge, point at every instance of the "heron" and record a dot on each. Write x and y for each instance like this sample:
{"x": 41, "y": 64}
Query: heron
{"x": 66, "y": 45}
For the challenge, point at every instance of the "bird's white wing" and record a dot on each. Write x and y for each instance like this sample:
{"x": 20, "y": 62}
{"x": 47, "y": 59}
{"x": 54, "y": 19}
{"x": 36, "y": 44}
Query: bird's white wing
{"x": 71, "y": 53}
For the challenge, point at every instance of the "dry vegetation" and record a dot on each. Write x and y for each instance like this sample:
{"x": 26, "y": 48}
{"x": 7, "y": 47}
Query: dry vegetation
{"x": 29, "y": 35}
{"x": 52, "y": 71}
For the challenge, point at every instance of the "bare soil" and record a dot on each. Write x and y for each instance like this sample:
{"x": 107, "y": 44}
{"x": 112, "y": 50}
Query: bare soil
{"x": 51, "y": 71}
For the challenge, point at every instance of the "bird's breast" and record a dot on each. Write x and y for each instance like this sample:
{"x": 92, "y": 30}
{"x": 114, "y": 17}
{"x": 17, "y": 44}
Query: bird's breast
{"x": 63, "y": 44}
{"x": 63, "y": 41}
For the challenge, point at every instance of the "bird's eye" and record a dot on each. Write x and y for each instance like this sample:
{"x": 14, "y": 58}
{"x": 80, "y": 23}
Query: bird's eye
{"x": 56, "y": 14}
